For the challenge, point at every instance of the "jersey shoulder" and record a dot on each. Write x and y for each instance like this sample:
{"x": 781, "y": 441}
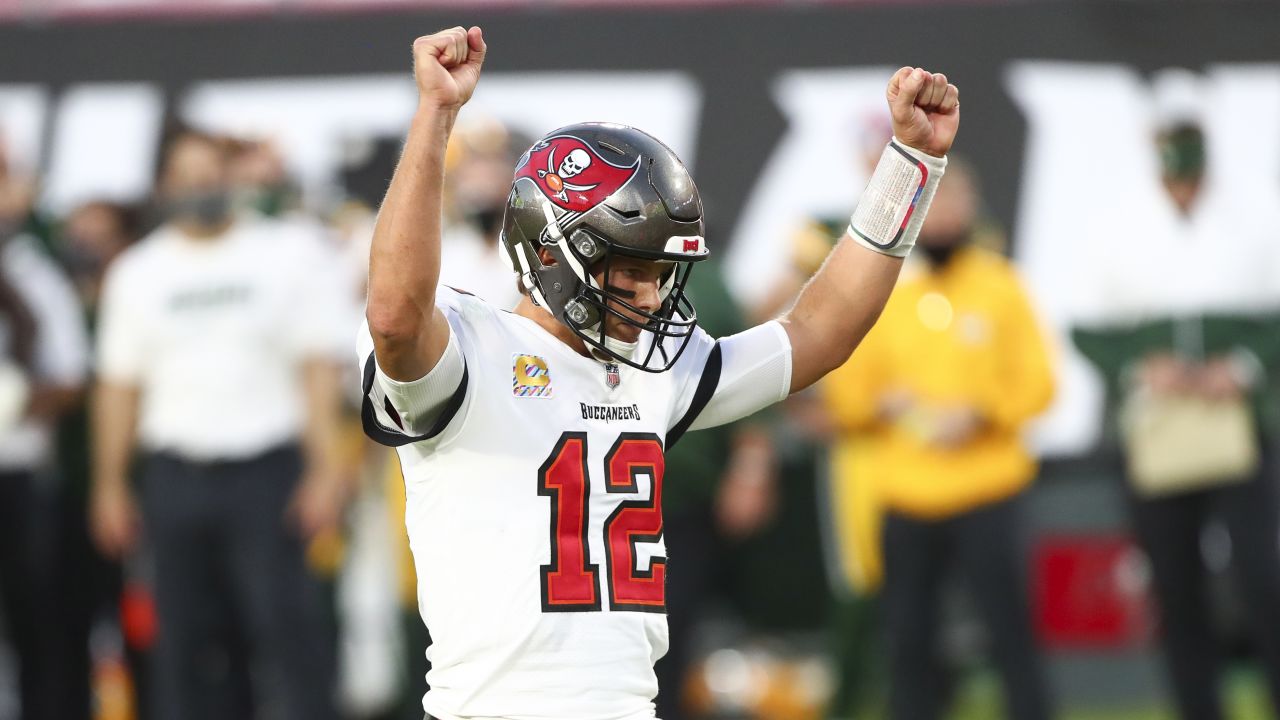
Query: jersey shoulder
{"x": 693, "y": 361}
{"x": 461, "y": 309}
{"x": 464, "y": 304}
{"x": 474, "y": 320}
{"x": 693, "y": 377}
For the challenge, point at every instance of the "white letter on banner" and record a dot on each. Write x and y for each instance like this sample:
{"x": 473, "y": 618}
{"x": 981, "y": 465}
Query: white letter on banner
{"x": 104, "y": 144}
{"x": 817, "y": 169}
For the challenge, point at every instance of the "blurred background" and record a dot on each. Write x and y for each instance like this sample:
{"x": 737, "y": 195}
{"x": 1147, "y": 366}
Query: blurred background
{"x": 1045, "y": 486}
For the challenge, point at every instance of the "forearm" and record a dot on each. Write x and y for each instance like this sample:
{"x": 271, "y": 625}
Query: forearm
{"x": 51, "y": 402}
{"x": 404, "y": 260}
{"x": 837, "y": 308}
{"x": 845, "y": 297}
{"x": 752, "y": 448}
{"x": 321, "y": 380}
{"x": 114, "y": 414}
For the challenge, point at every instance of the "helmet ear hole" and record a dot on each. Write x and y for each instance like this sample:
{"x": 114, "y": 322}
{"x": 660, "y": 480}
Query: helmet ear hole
{"x": 546, "y": 258}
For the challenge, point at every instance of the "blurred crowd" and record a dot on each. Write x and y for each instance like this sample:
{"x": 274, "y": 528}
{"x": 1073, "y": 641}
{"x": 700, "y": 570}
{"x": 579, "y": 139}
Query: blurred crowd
{"x": 193, "y": 526}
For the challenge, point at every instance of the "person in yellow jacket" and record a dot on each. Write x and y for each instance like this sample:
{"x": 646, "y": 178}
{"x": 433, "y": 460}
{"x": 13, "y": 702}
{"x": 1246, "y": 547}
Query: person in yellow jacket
{"x": 929, "y": 414}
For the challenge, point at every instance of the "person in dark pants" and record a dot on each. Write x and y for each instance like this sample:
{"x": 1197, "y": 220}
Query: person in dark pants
{"x": 981, "y": 545}
{"x": 941, "y": 444}
{"x": 725, "y": 487}
{"x": 43, "y": 364}
{"x": 53, "y": 672}
{"x": 85, "y": 243}
{"x": 1170, "y": 528}
{"x": 219, "y": 345}
{"x": 1189, "y": 350}
{"x": 1169, "y": 522}
{"x": 224, "y": 560}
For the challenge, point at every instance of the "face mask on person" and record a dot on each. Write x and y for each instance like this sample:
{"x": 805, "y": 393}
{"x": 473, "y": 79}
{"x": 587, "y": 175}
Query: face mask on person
{"x": 487, "y": 220}
{"x": 939, "y": 251}
{"x": 1182, "y": 153}
{"x": 79, "y": 261}
{"x": 209, "y": 209}
{"x": 269, "y": 200}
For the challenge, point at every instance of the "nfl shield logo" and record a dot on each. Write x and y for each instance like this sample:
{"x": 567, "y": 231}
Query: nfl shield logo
{"x": 612, "y": 375}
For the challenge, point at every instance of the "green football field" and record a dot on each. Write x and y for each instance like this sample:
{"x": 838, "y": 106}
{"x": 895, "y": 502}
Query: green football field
{"x": 1244, "y": 690}
{"x": 979, "y": 699}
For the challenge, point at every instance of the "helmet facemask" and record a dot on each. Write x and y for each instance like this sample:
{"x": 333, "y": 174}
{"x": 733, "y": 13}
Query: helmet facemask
{"x": 569, "y": 289}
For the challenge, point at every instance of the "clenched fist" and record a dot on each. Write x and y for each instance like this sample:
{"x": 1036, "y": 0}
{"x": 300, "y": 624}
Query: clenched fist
{"x": 447, "y": 66}
{"x": 925, "y": 110}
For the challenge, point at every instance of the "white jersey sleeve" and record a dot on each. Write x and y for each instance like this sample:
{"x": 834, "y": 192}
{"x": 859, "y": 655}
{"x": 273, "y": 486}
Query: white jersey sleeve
{"x": 396, "y": 413}
{"x": 741, "y": 374}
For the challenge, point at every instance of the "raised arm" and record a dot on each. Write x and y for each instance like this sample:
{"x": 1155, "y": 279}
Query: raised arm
{"x": 409, "y": 333}
{"x": 844, "y": 298}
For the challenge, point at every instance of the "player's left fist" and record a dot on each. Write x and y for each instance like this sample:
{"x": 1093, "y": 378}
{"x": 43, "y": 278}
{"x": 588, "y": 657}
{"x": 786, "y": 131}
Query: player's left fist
{"x": 925, "y": 109}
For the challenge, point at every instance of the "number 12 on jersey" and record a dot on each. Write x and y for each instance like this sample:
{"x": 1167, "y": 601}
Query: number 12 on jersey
{"x": 570, "y": 582}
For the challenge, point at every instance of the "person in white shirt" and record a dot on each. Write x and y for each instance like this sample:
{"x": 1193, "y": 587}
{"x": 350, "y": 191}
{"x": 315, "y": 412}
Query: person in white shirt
{"x": 532, "y": 441}
{"x": 43, "y": 364}
{"x": 1187, "y": 313}
{"x": 218, "y": 358}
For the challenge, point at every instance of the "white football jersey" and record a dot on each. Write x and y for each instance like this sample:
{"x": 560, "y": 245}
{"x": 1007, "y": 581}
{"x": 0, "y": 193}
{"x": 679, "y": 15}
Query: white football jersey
{"x": 534, "y": 510}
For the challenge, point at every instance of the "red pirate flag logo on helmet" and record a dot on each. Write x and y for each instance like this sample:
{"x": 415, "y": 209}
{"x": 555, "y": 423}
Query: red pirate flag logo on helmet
{"x": 572, "y": 174}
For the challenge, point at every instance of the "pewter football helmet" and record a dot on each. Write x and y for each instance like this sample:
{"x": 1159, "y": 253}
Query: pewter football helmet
{"x": 588, "y": 193}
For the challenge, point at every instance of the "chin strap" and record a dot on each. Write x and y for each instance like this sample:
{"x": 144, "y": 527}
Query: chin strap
{"x": 619, "y": 348}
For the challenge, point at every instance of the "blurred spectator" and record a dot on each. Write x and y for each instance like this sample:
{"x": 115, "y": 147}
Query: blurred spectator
{"x": 850, "y": 510}
{"x": 218, "y": 356}
{"x": 259, "y": 180}
{"x": 930, "y": 410}
{"x": 43, "y": 364}
{"x": 851, "y": 513}
{"x": 367, "y": 167}
{"x": 87, "y": 241}
{"x": 1188, "y": 353}
{"x": 723, "y": 480}
{"x": 91, "y": 237}
{"x": 479, "y": 164}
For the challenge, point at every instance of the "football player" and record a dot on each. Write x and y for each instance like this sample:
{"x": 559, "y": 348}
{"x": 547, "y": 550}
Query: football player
{"x": 532, "y": 441}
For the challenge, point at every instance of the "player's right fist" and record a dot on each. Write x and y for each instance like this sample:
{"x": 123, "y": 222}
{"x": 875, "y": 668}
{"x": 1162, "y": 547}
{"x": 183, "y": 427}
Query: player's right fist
{"x": 446, "y": 66}
{"x": 925, "y": 109}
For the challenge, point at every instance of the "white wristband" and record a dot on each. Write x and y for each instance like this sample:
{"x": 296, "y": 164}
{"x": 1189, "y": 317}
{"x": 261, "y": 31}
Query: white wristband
{"x": 893, "y": 207}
